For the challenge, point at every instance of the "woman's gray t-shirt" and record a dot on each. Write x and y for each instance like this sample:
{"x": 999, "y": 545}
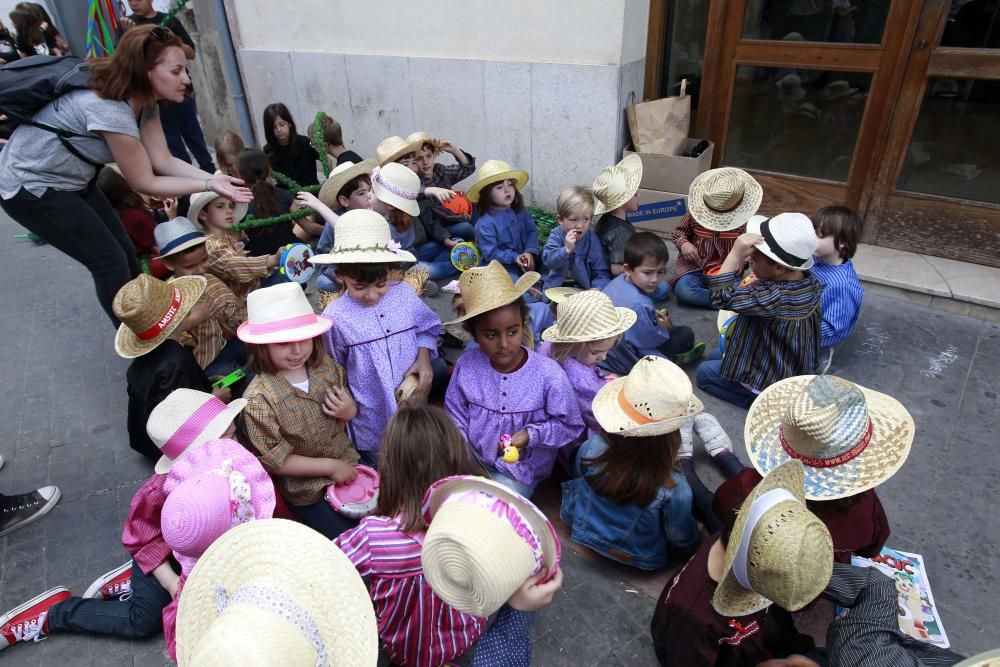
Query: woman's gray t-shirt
{"x": 36, "y": 160}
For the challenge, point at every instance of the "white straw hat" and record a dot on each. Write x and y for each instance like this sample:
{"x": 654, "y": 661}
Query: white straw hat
{"x": 187, "y": 419}
{"x": 850, "y": 438}
{"x": 200, "y": 200}
{"x": 494, "y": 171}
{"x": 724, "y": 199}
{"x": 483, "y": 541}
{"x": 588, "y": 316}
{"x": 987, "y": 659}
{"x": 275, "y": 592}
{"x": 616, "y": 185}
{"x": 280, "y": 314}
{"x": 150, "y": 310}
{"x": 789, "y": 239}
{"x": 489, "y": 287}
{"x": 341, "y": 175}
{"x": 655, "y": 398}
{"x": 177, "y": 235}
{"x": 778, "y": 551}
{"x": 363, "y": 237}
{"x": 397, "y": 186}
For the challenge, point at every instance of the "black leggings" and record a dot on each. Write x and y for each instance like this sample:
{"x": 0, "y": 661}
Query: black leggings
{"x": 83, "y": 225}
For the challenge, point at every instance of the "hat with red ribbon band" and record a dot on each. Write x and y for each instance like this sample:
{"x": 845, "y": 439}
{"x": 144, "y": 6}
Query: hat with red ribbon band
{"x": 150, "y": 309}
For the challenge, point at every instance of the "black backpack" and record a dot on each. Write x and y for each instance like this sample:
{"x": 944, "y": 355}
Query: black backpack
{"x": 28, "y": 84}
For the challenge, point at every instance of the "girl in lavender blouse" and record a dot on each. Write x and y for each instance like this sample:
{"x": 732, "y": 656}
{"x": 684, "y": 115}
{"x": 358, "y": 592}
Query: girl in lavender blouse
{"x": 515, "y": 407}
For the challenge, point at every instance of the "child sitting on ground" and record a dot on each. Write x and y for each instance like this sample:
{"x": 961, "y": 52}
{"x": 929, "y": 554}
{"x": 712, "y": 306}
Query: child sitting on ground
{"x": 136, "y": 216}
{"x": 573, "y": 253}
{"x": 505, "y": 230}
{"x": 382, "y": 332}
{"x": 288, "y": 152}
{"x": 720, "y": 202}
{"x": 617, "y": 193}
{"x": 515, "y": 407}
{"x": 129, "y": 601}
{"x": 333, "y": 141}
{"x": 838, "y": 229}
{"x": 653, "y": 333}
{"x": 420, "y": 446}
{"x": 453, "y": 209}
{"x": 268, "y": 202}
{"x": 227, "y": 148}
{"x": 297, "y": 405}
{"x": 629, "y": 501}
{"x": 777, "y": 332}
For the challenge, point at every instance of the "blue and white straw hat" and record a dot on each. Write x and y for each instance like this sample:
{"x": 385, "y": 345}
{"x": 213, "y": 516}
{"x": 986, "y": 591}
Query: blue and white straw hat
{"x": 177, "y": 235}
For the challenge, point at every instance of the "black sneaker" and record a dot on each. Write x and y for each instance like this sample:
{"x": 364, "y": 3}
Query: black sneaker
{"x": 17, "y": 511}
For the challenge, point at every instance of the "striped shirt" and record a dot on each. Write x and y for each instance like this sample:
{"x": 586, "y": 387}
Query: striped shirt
{"x": 776, "y": 335}
{"x": 841, "y": 303}
{"x": 227, "y": 312}
{"x": 416, "y": 627}
{"x": 141, "y": 535}
{"x": 712, "y": 246}
{"x": 230, "y": 264}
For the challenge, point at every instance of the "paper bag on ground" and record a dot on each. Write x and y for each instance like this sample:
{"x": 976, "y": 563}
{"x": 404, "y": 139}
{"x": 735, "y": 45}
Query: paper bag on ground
{"x": 661, "y": 126}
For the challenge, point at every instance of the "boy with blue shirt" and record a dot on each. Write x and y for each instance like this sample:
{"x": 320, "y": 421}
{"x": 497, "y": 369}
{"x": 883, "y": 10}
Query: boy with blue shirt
{"x": 838, "y": 229}
{"x": 573, "y": 253}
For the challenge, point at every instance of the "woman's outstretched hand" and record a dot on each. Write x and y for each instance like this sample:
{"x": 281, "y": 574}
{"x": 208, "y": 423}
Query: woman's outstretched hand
{"x": 229, "y": 187}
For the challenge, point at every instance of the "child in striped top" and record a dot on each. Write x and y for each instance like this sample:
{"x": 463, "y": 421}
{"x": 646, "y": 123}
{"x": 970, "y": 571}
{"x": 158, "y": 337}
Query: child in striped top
{"x": 416, "y": 627}
{"x": 838, "y": 229}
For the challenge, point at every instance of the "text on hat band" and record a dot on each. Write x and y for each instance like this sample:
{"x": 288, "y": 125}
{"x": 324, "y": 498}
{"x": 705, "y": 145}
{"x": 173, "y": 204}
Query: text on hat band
{"x": 831, "y": 462}
{"x": 786, "y": 257}
{"x": 157, "y": 329}
{"x": 758, "y": 509}
{"x": 192, "y": 428}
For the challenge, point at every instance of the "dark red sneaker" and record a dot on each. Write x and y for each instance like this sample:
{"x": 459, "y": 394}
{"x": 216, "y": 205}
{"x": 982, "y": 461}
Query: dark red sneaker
{"x": 29, "y": 621}
{"x": 113, "y": 585}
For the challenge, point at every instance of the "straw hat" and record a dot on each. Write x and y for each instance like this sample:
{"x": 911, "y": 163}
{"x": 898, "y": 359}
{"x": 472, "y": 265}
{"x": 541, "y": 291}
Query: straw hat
{"x": 275, "y": 592}
{"x": 280, "y": 314}
{"x": 494, "y": 171}
{"x": 837, "y": 89}
{"x": 790, "y": 88}
{"x": 560, "y": 294}
{"x": 850, "y": 438}
{"x": 185, "y": 420}
{"x": 587, "y": 316}
{"x": 363, "y": 237}
{"x": 397, "y": 186}
{"x": 200, "y": 200}
{"x": 150, "y": 310}
{"x": 616, "y": 185}
{"x": 778, "y": 550}
{"x": 724, "y": 199}
{"x": 483, "y": 541}
{"x": 987, "y": 659}
{"x": 655, "y": 398}
{"x": 341, "y": 175}
{"x": 177, "y": 235}
{"x": 789, "y": 239}
{"x": 489, "y": 287}
{"x": 394, "y": 147}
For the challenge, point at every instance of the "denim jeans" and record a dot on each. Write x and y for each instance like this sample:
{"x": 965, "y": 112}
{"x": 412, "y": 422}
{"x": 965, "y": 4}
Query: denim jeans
{"x": 183, "y": 132}
{"x": 517, "y": 487}
{"x": 662, "y": 293}
{"x": 436, "y": 258}
{"x": 141, "y": 615}
{"x": 709, "y": 378}
{"x": 693, "y": 290}
{"x": 464, "y": 230}
{"x": 83, "y": 225}
{"x": 321, "y": 517}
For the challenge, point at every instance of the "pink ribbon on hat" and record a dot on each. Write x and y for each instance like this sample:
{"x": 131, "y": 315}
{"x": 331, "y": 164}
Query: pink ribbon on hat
{"x": 506, "y": 511}
{"x": 281, "y": 325}
{"x": 392, "y": 187}
{"x": 192, "y": 428}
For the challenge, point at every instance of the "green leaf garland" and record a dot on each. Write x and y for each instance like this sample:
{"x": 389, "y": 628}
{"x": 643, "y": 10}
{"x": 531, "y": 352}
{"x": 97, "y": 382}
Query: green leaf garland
{"x": 545, "y": 222}
{"x": 251, "y": 222}
{"x": 174, "y": 8}
{"x": 320, "y": 144}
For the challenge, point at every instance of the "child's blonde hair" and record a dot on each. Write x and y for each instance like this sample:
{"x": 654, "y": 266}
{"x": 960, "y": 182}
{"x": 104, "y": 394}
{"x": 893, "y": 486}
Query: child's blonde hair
{"x": 562, "y": 351}
{"x": 575, "y": 198}
{"x": 226, "y": 146}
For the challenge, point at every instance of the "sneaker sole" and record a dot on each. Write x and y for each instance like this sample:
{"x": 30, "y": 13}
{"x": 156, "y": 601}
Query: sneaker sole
{"x": 53, "y": 501}
{"x": 94, "y": 592}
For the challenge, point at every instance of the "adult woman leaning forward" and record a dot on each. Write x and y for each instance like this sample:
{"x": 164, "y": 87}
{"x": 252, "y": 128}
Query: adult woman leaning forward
{"x": 52, "y": 192}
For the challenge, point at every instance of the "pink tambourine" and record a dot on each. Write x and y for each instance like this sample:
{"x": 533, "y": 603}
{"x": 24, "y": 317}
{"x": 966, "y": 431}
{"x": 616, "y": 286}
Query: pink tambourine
{"x": 358, "y": 498}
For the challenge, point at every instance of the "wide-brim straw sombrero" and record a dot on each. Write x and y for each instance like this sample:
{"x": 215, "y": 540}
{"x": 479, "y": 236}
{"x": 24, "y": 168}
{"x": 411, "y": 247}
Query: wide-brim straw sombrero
{"x": 200, "y": 200}
{"x": 830, "y": 477}
{"x": 656, "y": 397}
{"x": 151, "y": 309}
{"x": 723, "y": 199}
{"x": 275, "y": 592}
{"x": 341, "y": 175}
{"x": 494, "y": 171}
{"x": 616, "y": 185}
{"x": 588, "y": 316}
{"x": 489, "y": 287}
{"x": 789, "y": 552}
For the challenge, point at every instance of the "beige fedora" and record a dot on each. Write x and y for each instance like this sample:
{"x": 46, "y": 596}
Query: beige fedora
{"x": 397, "y": 186}
{"x": 588, "y": 316}
{"x": 494, "y": 171}
{"x": 724, "y": 199}
{"x": 341, "y": 175}
{"x": 560, "y": 294}
{"x": 616, "y": 185}
{"x": 363, "y": 237}
{"x": 274, "y": 592}
{"x": 187, "y": 419}
{"x": 392, "y": 148}
{"x": 150, "y": 310}
{"x": 489, "y": 287}
{"x": 850, "y": 438}
{"x": 655, "y": 398}
{"x": 778, "y": 552}
{"x": 200, "y": 200}
{"x": 280, "y": 314}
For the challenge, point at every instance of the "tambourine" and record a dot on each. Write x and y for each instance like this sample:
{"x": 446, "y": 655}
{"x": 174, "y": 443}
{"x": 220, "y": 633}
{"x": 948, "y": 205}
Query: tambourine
{"x": 356, "y": 499}
{"x": 294, "y": 262}
{"x": 725, "y": 324}
{"x": 465, "y": 256}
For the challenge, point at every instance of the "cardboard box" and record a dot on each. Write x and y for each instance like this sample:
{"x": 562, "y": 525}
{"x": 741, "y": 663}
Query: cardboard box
{"x": 658, "y": 211}
{"x": 673, "y": 173}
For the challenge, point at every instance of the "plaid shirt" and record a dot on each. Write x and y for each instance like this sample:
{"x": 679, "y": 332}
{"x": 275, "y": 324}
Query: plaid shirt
{"x": 280, "y": 420}
{"x": 446, "y": 175}
{"x": 230, "y": 264}
{"x": 228, "y": 312}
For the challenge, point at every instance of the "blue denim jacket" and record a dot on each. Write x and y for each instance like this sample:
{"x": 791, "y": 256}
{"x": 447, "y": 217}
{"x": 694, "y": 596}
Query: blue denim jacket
{"x": 629, "y": 534}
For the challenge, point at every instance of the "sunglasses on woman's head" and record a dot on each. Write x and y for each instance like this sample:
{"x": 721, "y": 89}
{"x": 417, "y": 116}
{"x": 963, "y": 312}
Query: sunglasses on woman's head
{"x": 160, "y": 33}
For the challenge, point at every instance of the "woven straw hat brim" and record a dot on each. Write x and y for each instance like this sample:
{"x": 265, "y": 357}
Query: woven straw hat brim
{"x": 200, "y": 200}
{"x": 519, "y": 175}
{"x": 184, "y": 246}
{"x": 363, "y": 257}
{"x": 893, "y": 431}
{"x": 409, "y": 145}
{"x": 987, "y": 659}
{"x": 613, "y": 419}
{"x": 291, "y": 558}
{"x": 502, "y": 296}
{"x": 319, "y": 326}
{"x": 753, "y": 195}
{"x": 753, "y": 227}
{"x": 626, "y": 318}
{"x": 336, "y": 182}
{"x": 214, "y": 430}
{"x": 631, "y": 168}
{"x": 559, "y": 294}
{"x": 128, "y": 345}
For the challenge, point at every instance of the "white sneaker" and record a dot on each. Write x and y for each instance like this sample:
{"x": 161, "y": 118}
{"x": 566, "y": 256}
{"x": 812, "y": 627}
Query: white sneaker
{"x": 686, "y": 448}
{"x": 712, "y": 435}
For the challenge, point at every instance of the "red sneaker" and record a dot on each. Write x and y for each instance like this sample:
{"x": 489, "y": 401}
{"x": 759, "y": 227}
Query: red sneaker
{"x": 28, "y": 622}
{"x": 113, "y": 585}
